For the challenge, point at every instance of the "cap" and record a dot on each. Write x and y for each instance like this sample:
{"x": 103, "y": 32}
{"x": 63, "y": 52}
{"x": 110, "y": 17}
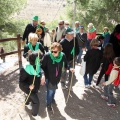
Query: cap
{"x": 35, "y": 18}
{"x": 69, "y": 31}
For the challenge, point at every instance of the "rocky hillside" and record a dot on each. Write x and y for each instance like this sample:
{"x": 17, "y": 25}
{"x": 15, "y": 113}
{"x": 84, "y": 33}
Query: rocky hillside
{"x": 47, "y": 10}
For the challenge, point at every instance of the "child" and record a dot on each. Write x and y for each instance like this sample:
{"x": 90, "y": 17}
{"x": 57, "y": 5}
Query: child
{"x": 93, "y": 59}
{"x": 108, "y": 85}
{"x": 108, "y": 57}
{"x": 27, "y": 74}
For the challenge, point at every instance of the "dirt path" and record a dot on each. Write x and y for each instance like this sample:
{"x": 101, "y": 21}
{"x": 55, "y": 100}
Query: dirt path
{"x": 84, "y": 104}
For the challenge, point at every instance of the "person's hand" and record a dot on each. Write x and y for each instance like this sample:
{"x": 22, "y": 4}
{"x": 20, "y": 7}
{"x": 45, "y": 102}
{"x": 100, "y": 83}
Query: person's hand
{"x": 104, "y": 84}
{"x": 72, "y": 70}
{"x": 31, "y": 87}
{"x": 29, "y": 52}
{"x": 84, "y": 49}
{"x": 43, "y": 80}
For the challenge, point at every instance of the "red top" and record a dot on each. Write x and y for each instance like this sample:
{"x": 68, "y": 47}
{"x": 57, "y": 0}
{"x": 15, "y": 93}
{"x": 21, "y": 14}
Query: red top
{"x": 91, "y": 35}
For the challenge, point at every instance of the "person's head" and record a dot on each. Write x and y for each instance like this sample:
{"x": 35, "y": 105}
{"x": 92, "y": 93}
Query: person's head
{"x": 105, "y": 29}
{"x": 32, "y": 58}
{"x": 35, "y": 20}
{"x": 67, "y": 24}
{"x": 81, "y": 29}
{"x": 53, "y": 31}
{"x": 42, "y": 23}
{"x": 94, "y": 43}
{"x": 117, "y": 29}
{"x": 77, "y": 24}
{"x": 101, "y": 38}
{"x": 33, "y": 38}
{"x": 90, "y": 26}
{"x": 69, "y": 33}
{"x": 61, "y": 24}
{"x": 56, "y": 48}
{"x": 109, "y": 52}
{"x": 116, "y": 61}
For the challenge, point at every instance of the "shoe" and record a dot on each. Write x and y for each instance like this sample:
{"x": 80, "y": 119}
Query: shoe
{"x": 29, "y": 106}
{"x": 87, "y": 86}
{"x": 111, "y": 105}
{"x": 49, "y": 107}
{"x": 36, "y": 117}
{"x": 63, "y": 86}
{"x": 104, "y": 97}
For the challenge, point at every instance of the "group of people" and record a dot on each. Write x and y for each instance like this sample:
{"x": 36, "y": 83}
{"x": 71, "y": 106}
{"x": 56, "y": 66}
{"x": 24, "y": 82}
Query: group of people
{"x": 50, "y": 64}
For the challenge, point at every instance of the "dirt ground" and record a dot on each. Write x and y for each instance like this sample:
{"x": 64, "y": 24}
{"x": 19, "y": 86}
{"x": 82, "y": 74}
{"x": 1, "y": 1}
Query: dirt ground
{"x": 83, "y": 104}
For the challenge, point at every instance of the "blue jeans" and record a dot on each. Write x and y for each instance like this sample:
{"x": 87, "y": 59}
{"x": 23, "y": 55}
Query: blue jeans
{"x": 79, "y": 55}
{"x": 87, "y": 80}
{"x": 50, "y": 94}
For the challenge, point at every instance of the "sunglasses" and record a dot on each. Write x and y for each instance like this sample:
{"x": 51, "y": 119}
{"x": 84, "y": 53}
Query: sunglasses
{"x": 60, "y": 24}
{"x": 54, "y": 51}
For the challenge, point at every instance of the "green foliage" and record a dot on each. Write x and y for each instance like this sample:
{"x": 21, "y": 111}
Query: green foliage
{"x": 100, "y": 12}
{"x": 52, "y": 25}
{"x": 8, "y": 26}
{"x": 7, "y": 9}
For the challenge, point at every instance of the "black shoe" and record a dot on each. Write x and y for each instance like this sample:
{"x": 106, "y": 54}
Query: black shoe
{"x": 49, "y": 107}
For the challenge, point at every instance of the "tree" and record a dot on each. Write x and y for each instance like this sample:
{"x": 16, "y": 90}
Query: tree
{"x": 7, "y": 9}
{"x": 100, "y": 12}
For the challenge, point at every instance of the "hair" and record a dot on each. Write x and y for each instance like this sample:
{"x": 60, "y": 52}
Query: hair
{"x": 32, "y": 36}
{"x": 117, "y": 29}
{"x": 90, "y": 25}
{"x": 100, "y": 37}
{"x": 56, "y": 45}
{"x": 77, "y": 22}
{"x": 94, "y": 42}
{"x": 106, "y": 28}
{"x": 32, "y": 58}
{"x": 109, "y": 52}
{"x": 61, "y": 21}
{"x": 117, "y": 61}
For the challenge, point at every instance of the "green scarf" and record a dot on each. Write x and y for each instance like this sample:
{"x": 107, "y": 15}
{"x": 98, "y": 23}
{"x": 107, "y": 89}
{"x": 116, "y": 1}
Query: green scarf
{"x": 77, "y": 30}
{"x": 56, "y": 59}
{"x": 105, "y": 33}
{"x": 73, "y": 51}
{"x": 31, "y": 47}
{"x": 30, "y": 69}
{"x": 92, "y": 30}
{"x": 44, "y": 29}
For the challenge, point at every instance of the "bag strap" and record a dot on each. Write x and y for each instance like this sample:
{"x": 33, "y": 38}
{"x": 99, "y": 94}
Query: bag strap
{"x": 80, "y": 38}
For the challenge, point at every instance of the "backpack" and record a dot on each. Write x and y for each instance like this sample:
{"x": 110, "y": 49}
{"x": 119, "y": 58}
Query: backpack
{"x": 117, "y": 80}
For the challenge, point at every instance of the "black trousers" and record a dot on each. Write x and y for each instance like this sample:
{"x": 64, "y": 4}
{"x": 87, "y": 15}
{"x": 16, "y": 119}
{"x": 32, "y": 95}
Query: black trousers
{"x": 33, "y": 98}
{"x": 102, "y": 72}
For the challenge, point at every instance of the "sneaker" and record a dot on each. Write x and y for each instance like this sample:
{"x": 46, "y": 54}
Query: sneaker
{"x": 111, "y": 105}
{"x": 29, "y": 106}
{"x": 49, "y": 107}
{"x": 87, "y": 86}
{"x": 104, "y": 97}
{"x": 36, "y": 117}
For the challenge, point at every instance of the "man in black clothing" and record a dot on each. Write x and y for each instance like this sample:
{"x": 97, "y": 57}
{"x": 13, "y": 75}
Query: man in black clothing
{"x": 71, "y": 50}
{"x": 31, "y": 28}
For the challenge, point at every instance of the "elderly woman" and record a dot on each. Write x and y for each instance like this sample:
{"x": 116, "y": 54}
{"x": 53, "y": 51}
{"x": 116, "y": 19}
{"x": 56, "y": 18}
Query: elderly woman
{"x": 106, "y": 36}
{"x": 91, "y": 34}
{"x": 33, "y": 45}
